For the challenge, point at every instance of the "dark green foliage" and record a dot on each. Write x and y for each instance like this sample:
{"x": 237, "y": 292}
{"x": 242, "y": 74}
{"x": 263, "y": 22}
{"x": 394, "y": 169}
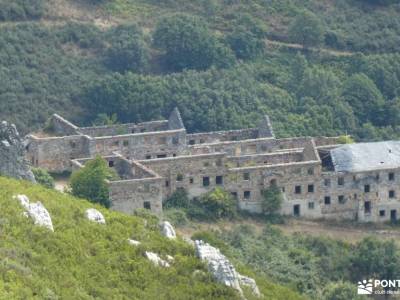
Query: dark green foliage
{"x": 188, "y": 43}
{"x": 341, "y": 291}
{"x": 213, "y": 205}
{"x": 103, "y": 119}
{"x": 177, "y": 217}
{"x": 43, "y": 177}
{"x": 375, "y": 259}
{"x": 16, "y": 10}
{"x": 61, "y": 69}
{"x": 127, "y": 50}
{"x": 247, "y": 38}
{"x": 179, "y": 199}
{"x": 272, "y": 200}
{"x": 40, "y": 71}
{"x": 89, "y": 182}
{"x": 307, "y": 30}
{"x": 365, "y": 98}
{"x": 314, "y": 266}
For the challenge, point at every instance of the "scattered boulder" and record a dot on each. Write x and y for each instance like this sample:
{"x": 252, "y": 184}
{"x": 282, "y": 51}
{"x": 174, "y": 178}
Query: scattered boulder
{"x": 36, "y": 211}
{"x": 250, "y": 282}
{"x": 95, "y": 216}
{"x": 167, "y": 230}
{"x": 133, "y": 242}
{"x": 222, "y": 269}
{"x": 170, "y": 258}
{"x": 12, "y": 154}
{"x": 157, "y": 260}
{"x": 23, "y": 200}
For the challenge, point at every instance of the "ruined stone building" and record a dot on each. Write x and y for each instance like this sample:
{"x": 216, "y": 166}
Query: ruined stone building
{"x": 319, "y": 177}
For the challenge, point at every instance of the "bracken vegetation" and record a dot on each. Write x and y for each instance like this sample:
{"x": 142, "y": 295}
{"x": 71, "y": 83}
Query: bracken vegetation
{"x": 318, "y": 267}
{"x": 86, "y": 260}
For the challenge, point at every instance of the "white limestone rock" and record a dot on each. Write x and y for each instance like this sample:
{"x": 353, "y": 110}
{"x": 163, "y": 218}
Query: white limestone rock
{"x": 157, "y": 260}
{"x": 13, "y": 162}
{"x": 36, "y": 211}
{"x": 167, "y": 230}
{"x": 222, "y": 269}
{"x": 250, "y": 282}
{"x": 133, "y": 242}
{"x": 23, "y": 200}
{"x": 170, "y": 258}
{"x": 95, "y": 216}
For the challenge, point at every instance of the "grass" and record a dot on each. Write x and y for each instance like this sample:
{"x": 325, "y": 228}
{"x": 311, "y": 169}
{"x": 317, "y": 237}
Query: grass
{"x": 86, "y": 260}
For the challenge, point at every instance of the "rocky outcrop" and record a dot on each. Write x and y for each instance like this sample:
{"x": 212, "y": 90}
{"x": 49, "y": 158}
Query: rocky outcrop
{"x": 133, "y": 242}
{"x": 222, "y": 269}
{"x": 251, "y": 283}
{"x": 12, "y": 154}
{"x": 167, "y": 230}
{"x": 157, "y": 260}
{"x": 95, "y": 216}
{"x": 36, "y": 211}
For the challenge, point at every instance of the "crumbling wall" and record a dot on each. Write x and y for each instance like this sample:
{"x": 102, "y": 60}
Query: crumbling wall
{"x": 129, "y": 195}
{"x": 127, "y": 128}
{"x": 60, "y": 126}
{"x": 55, "y": 153}
{"x": 12, "y": 154}
{"x": 222, "y": 136}
{"x": 143, "y": 145}
{"x": 189, "y": 172}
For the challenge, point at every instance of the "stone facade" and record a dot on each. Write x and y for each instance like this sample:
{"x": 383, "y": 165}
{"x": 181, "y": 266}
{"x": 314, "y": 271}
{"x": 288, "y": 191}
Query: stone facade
{"x": 156, "y": 158}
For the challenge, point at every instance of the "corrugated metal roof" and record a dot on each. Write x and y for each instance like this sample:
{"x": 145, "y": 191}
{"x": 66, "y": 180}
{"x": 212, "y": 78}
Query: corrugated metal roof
{"x": 366, "y": 156}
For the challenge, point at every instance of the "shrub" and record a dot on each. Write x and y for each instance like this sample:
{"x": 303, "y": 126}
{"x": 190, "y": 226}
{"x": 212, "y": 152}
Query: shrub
{"x": 43, "y": 177}
{"x": 216, "y": 204}
{"x": 341, "y": 291}
{"x": 21, "y": 9}
{"x": 345, "y": 139}
{"x": 189, "y": 44}
{"x": 272, "y": 200}
{"x": 90, "y": 181}
{"x": 128, "y": 50}
{"x": 176, "y": 216}
{"x": 178, "y": 199}
{"x": 307, "y": 30}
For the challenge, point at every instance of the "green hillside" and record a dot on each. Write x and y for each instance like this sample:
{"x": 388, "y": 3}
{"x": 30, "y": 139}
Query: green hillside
{"x": 86, "y": 260}
{"x": 85, "y": 58}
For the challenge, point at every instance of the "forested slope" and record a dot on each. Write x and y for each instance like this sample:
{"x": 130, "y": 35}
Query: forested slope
{"x": 139, "y": 58}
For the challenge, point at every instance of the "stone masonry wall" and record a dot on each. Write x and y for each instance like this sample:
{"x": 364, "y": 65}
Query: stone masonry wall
{"x": 129, "y": 195}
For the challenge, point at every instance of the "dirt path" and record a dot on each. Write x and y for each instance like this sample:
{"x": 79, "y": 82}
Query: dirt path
{"x": 340, "y": 231}
{"x": 278, "y": 44}
{"x": 344, "y": 231}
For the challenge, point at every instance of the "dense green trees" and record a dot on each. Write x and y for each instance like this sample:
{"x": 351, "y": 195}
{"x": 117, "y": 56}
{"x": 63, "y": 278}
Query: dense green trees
{"x": 365, "y": 98}
{"x": 61, "y": 69}
{"x": 375, "y": 259}
{"x": 21, "y": 9}
{"x": 188, "y": 43}
{"x": 90, "y": 181}
{"x": 307, "y": 30}
{"x": 247, "y": 37}
{"x": 127, "y": 50}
